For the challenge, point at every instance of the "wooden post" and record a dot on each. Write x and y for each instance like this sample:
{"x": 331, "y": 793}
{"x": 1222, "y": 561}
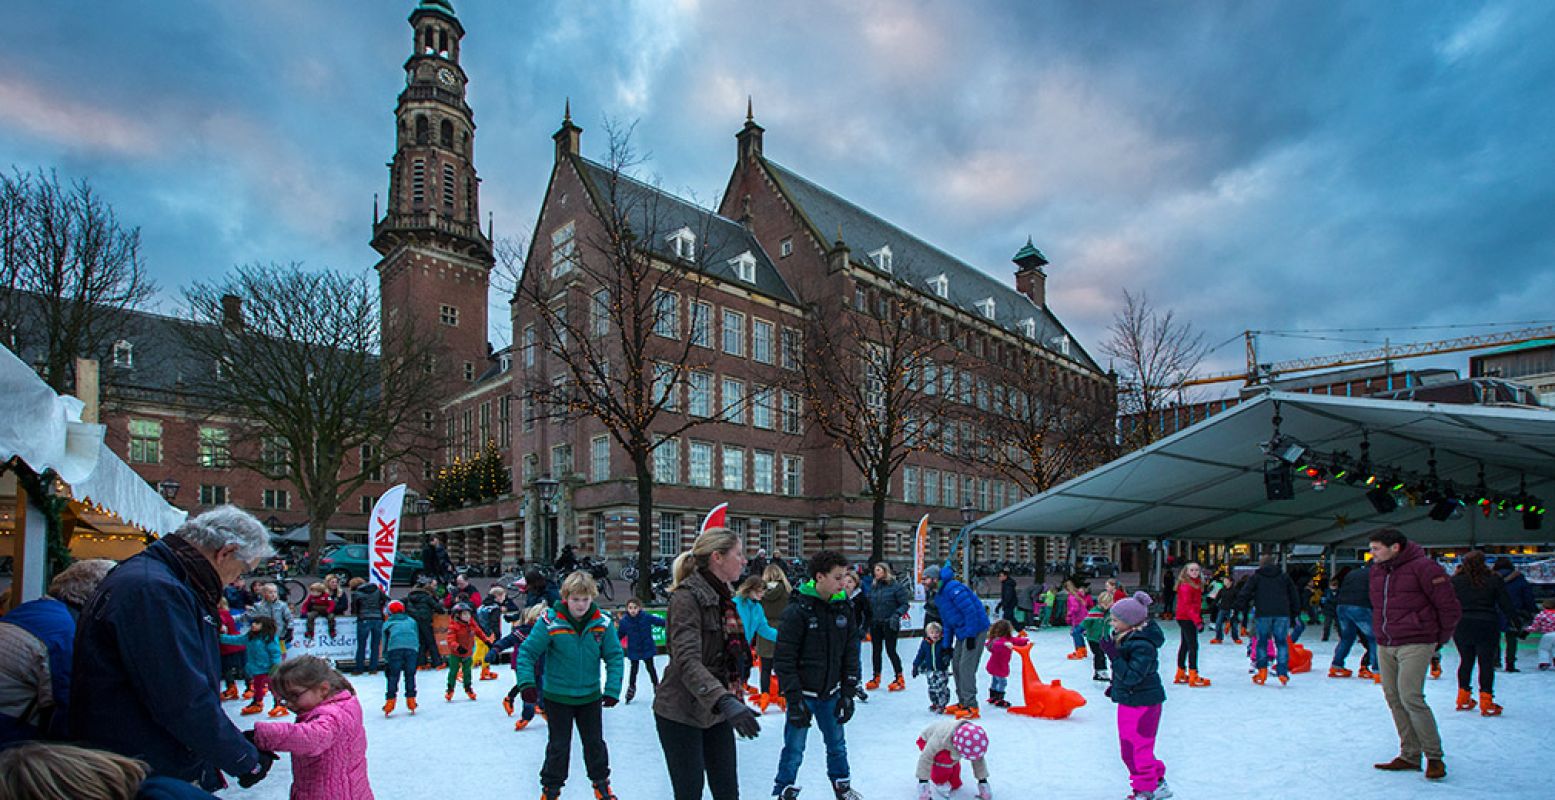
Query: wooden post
{"x": 27, "y": 581}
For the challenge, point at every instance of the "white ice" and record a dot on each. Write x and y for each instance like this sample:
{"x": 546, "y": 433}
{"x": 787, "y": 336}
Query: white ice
{"x": 1315, "y": 738}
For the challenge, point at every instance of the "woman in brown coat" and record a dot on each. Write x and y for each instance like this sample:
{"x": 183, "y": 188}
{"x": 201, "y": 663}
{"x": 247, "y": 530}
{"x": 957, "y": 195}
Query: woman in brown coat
{"x": 697, "y": 706}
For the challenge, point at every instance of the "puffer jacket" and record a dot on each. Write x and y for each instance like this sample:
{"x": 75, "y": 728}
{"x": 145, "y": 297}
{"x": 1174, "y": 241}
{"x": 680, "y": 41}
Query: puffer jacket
{"x": 1520, "y": 595}
{"x": 753, "y": 618}
{"x": 999, "y": 652}
{"x": 1355, "y": 589}
{"x": 1076, "y": 606}
{"x": 1271, "y": 593}
{"x": 1412, "y": 601}
{"x": 462, "y": 635}
{"x": 259, "y": 655}
{"x": 815, "y": 653}
{"x": 401, "y": 633}
{"x": 638, "y": 632}
{"x": 694, "y": 681}
{"x": 421, "y": 606}
{"x": 328, "y": 746}
{"x": 1190, "y": 601}
{"x": 888, "y": 602}
{"x": 573, "y": 650}
{"x": 367, "y": 601}
{"x": 960, "y": 612}
{"x": 933, "y": 656}
{"x": 278, "y": 611}
{"x": 1136, "y": 671}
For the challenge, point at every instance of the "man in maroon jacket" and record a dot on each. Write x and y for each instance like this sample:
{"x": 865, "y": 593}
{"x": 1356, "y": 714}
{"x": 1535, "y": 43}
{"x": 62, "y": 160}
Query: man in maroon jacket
{"x": 1413, "y": 612}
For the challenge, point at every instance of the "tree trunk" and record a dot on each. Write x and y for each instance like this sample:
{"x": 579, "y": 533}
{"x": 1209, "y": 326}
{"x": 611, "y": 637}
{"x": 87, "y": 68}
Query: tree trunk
{"x": 877, "y": 528}
{"x": 645, "y": 528}
{"x": 317, "y": 528}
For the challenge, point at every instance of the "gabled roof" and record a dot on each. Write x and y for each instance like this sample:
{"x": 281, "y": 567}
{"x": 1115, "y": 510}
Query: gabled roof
{"x": 916, "y": 262}
{"x": 720, "y": 239}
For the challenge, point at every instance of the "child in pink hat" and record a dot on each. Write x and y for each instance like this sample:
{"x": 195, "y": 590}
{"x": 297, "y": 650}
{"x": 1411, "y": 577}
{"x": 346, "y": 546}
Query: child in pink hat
{"x": 944, "y": 744}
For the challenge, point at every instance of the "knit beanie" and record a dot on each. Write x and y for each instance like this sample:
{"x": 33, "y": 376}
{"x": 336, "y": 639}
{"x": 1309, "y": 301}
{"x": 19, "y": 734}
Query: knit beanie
{"x": 1132, "y": 611}
{"x": 396, "y": 607}
{"x": 970, "y": 741}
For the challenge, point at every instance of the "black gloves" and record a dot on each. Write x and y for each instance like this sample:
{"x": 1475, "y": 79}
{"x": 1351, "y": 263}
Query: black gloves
{"x": 798, "y": 710}
{"x": 844, "y": 708}
{"x": 529, "y": 694}
{"x": 266, "y": 758}
{"x": 738, "y": 715}
{"x": 608, "y": 702}
{"x": 971, "y": 644}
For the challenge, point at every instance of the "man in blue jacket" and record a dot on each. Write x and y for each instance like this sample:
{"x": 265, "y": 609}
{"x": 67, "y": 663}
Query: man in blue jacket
{"x": 965, "y": 620}
{"x": 146, "y": 664}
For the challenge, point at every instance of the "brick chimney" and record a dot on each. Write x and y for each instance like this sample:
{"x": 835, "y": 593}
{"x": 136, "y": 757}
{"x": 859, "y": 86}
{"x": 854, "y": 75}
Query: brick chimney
{"x": 231, "y": 311}
{"x": 1030, "y": 279}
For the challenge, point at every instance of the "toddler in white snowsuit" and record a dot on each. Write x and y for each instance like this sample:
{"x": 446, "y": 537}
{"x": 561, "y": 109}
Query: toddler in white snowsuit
{"x": 944, "y": 744}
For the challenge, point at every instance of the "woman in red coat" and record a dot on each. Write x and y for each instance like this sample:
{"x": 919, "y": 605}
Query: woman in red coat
{"x": 1190, "y": 620}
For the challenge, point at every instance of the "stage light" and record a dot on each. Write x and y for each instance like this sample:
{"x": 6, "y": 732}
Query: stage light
{"x": 1533, "y": 521}
{"x": 1382, "y": 500}
{"x": 1319, "y": 485}
{"x": 1445, "y": 508}
{"x": 1277, "y": 480}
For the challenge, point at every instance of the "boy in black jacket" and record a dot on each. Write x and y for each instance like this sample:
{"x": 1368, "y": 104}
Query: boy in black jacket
{"x": 817, "y": 664}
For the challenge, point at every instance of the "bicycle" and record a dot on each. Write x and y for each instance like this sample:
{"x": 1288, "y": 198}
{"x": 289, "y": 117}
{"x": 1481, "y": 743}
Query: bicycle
{"x": 277, "y": 571}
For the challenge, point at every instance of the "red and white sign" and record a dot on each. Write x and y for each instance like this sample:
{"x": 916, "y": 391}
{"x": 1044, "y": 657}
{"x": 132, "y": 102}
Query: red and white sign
{"x": 715, "y": 518}
{"x": 920, "y": 541}
{"x": 383, "y": 529}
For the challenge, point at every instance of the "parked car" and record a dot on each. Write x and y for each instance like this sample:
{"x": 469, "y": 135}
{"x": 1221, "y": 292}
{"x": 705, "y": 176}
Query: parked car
{"x": 1098, "y": 567}
{"x": 350, "y": 561}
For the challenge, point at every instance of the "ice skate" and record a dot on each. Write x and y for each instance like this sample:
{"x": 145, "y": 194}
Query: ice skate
{"x": 861, "y": 695}
{"x": 1436, "y": 668}
{"x": 844, "y": 790}
{"x": 1487, "y": 706}
{"x": 1341, "y": 672}
{"x": 470, "y": 693}
{"x": 252, "y": 708}
{"x": 969, "y": 713}
{"x": 1261, "y": 675}
{"x": 280, "y": 711}
{"x": 547, "y": 793}
{"x": 787, "y": 793}
{"x": 521, "y": 724}
{"x": 1101, "y": 675}
{"x": 410, "y": 703}
{"x": 507, "y": 703}
{"x": 449, "y": 695}
{"x": 1215, "y": 640}
{"x": 1162, "y": 791}
{"x": 1284, "y": 679}
{"x": 1466, "y": 700}
{"x": 231, "y": 692}
{"x": 248, "y": 694}
{"x": 388, "y": 707}
{"x": 602, "y": 791}
{"x": 1180, "y": 677}
{"x": 487, "y": 674}
{"x": 873, "y": 683}
{"x": 1079, "y": 653}
{"x": 1195, "y": 681}
{"x": 631, "y": 692}
{"x": 897, "y": 685}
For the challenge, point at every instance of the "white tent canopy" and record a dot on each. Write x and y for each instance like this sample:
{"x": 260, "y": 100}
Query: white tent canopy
{"x": 1206, "y": 482}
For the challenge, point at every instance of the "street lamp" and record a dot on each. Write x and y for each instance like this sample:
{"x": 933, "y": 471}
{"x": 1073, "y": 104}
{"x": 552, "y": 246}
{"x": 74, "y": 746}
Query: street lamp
{"x": 824, "y": 518}
{"x": 274, "y": 524}
{"x": 968, "y": 513}
{"x": 423, "y": 507}
{"x": 545, "y": 488}
{"x": 169, "y": 489}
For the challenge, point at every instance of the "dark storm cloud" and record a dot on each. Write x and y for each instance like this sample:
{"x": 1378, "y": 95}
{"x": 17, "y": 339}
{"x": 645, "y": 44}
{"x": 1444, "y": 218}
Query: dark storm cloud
{"x": 1253, "y": 165}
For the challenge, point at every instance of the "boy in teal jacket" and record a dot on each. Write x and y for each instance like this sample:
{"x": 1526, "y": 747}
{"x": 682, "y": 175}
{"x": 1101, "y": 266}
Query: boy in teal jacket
{"x": 401, "y": 643}
{"x": 574, "y": 636}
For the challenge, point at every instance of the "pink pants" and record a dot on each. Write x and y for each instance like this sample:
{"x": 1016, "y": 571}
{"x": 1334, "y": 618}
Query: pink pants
{"x": 1137, "y": 726}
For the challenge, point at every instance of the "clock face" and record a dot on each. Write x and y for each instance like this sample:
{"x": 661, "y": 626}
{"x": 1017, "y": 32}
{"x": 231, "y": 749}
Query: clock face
{"x": 446, "y": 76}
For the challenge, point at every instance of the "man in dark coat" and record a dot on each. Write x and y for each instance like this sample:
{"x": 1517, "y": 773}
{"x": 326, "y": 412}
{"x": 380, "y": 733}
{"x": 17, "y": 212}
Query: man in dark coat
{"x": 368, "y": 601}
{"x": 1273, "y": 597}
{"x": 37, "y": 643}
{"x": 1009, "y": 599}
{"x": 1414, "y": 611}
{"x": 1523, "y": 607}
{"x": 421, "y": 605}
{"x": 146, "y": 677}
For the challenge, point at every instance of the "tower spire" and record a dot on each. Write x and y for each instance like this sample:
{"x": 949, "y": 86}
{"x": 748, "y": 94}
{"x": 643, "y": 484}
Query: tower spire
{"x": 749, "y": 117}
{"x": 567, "y": 112}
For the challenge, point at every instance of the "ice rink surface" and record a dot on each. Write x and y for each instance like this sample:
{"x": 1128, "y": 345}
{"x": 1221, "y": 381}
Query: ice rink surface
{"x": 1315, "y": 738}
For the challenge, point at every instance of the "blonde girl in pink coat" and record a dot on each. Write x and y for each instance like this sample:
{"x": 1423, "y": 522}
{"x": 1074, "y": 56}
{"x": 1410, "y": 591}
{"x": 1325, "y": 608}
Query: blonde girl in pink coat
{"x": 327, "y": 741}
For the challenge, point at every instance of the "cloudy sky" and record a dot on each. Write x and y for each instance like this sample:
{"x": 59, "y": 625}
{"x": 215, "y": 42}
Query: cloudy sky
{"x": 1278, "y": 166}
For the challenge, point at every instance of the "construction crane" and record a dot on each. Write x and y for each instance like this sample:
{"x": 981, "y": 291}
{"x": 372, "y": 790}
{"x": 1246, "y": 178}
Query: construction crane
{"x": 1259, "y": 373}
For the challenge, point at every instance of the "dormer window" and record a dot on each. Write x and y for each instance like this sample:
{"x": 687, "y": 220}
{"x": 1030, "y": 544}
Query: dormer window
{"x": 882, "y": 258}
{"x": 123, "y": 354}
{"x": 1028, "y": 327}
{"x": 985, "y": 307}
{"x": 1062, "y": 342}
{"x": 683, "y": 243}
{"x": 941, "y": 285}
{"x": 744, "y": 266}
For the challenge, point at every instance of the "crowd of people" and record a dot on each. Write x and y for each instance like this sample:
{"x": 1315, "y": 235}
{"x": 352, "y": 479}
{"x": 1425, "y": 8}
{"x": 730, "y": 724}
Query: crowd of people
{"x": 116, "y": 679}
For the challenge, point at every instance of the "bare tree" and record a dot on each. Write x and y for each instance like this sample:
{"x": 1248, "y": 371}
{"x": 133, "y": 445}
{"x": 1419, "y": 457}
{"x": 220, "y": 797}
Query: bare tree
{"x": 872, "y": 374}
{"x": 308, "y": 372}
{"x": 70, "y": 271}
{"x": 1157, "y": 354}
{"x": 1043, "y": 429}
{"x": 607, "y": 308}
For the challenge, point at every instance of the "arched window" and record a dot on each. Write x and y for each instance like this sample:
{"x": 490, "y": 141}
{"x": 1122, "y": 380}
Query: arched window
{"x": 447, "y": 131}
{"x": 423, "y": 129}
{"x": 442, "y": 42}
{"x": 427, "y": 48}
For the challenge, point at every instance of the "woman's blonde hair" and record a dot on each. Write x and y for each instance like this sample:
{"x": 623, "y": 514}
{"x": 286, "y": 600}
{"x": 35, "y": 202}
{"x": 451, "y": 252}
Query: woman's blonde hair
{"x": 47, "y": 771}
{"x": 297, "y": 675}
{"x": 532, "y": 614}
{"x": 579, "y": 583}
{"x": 775, "y": 574}
{"x": 750, "y": 586}
{"x": 1182, "y": 574}
{"x": 715, "y": 540}
{"x": 890, "y": 577}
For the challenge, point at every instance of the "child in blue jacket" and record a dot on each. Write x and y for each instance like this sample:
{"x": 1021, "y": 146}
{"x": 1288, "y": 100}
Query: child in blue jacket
{"x": 933, "y": 660}
{"x": 401, "y": 644}
{"x": 636, "y": 629}
{"x": 261, "y": 653}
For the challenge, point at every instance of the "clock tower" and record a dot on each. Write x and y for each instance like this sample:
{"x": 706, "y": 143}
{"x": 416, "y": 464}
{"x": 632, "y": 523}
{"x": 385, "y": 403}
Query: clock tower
{"x": 436, "y": 263}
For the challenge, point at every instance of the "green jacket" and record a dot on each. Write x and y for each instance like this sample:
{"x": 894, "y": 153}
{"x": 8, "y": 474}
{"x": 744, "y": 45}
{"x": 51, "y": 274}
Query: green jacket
{"x": 572, "y": 651}
{"x": 1095, "y": 627}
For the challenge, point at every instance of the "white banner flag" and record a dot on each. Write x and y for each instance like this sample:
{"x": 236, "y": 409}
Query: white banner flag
{"x": 383, "y": 530}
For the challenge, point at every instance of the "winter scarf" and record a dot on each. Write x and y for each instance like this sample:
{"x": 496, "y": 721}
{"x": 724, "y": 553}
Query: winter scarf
{"x": 203, "y": 579}
{"x": 736, "y": 647}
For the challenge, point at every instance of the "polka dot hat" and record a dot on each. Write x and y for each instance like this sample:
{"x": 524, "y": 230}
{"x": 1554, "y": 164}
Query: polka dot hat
{"x": 970, "y": 740}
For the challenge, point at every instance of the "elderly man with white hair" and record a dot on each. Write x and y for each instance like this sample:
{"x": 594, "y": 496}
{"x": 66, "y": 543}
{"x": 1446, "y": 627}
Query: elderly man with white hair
{"x": 36, "y": 645}
{"x": 146, "y": 664}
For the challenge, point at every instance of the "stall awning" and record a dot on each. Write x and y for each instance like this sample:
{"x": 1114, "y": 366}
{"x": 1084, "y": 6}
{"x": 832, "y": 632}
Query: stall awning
{"x": 1206, "y": 482}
